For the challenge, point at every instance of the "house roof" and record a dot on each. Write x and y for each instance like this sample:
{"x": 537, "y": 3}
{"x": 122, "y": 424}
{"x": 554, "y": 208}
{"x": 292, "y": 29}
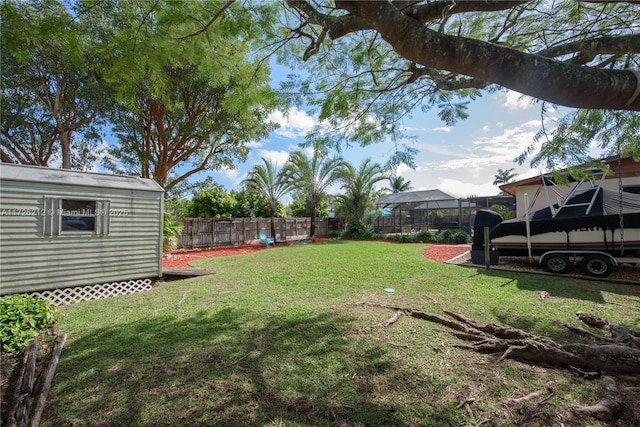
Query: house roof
{"x": 39, "y": 174}
{"x": 414, "y": 197}
{"x": 628, "y": 168}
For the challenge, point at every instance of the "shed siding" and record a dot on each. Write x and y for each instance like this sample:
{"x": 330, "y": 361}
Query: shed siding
{"x": 31, "y": 260}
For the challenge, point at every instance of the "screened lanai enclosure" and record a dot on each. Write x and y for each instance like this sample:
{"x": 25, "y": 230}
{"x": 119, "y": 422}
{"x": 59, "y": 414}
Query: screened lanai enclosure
{"x": 432, "y": 210}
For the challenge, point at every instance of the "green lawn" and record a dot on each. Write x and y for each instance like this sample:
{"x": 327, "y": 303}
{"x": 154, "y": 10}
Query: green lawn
{"x": 275, "y": 338}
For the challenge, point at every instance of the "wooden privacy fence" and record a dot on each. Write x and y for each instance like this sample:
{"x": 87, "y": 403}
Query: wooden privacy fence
{"x": 207, "y": 232}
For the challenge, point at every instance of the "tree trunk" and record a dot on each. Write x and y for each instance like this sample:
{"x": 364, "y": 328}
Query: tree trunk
{"x": 312, "y": 226}
{"x": 65, "y": 145}
{"x": 273, "y": 228}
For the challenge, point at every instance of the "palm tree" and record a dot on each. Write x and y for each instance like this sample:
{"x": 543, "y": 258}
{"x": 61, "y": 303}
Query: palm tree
{"x": 504, "y": 176}
{"x": 398, "y": 184}
{"x": 311, "y": 177}
{"x": 359, "y": 193}
{"x": 270, "y": 183}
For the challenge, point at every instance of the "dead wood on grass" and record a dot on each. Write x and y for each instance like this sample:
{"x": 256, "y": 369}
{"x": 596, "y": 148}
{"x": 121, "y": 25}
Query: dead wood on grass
{"x": 620, "y": 355}
{"x": 608, "y": 357}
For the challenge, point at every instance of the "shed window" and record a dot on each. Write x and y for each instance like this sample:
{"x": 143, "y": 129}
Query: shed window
{"x": 78, "y": 215}
{"x": 70, "y": 216}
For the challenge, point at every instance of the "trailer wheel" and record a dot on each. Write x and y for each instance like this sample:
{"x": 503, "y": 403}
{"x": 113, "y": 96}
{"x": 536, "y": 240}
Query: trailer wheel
{"x": 596, "y": 265}
{"x": 556, "y": 263}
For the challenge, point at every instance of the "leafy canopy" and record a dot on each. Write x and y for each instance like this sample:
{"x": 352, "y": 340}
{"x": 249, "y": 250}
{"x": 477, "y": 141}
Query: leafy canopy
{"x": 372, "y": 64}
{"x": 191, "y": 95}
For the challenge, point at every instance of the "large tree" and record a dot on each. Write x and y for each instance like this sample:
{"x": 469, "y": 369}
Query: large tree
{"x": 312, "y": 177}
{"x": 212, "y": 202}
{"x": 270, "y": 183}
{"x": 373, "y": 63}
{"x": 191, "y": 95}
{"x": 504, "y": 176}
{"x": 398, "y": 184}
{"x": 52, "y": 91}
{"x": 360, "y": 194}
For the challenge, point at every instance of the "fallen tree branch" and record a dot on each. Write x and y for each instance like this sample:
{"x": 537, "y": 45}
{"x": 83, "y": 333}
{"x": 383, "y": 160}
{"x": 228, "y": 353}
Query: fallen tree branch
{"x": 19, "y": 414}
{"x": 607, "y": 407}
{"x": 618, "y": 354}
{"x": 587, "y": 334}
{"x": 29, "y": 401}
{"x": 48, "y": 379}
{"x": 621, "y": 334}
{"x": 393, "y": 319}
{"x": 621, "y": 356}
{"x": 591, "y": 320}
{"x": 184, "y": 297}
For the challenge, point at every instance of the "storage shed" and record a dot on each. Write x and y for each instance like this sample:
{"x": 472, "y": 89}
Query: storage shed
{"x": 62, "y": 228}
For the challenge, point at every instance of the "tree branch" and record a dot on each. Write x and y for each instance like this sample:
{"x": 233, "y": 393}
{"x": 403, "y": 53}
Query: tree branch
{"x": 607, "y": 45}
{"x": 216, "y": 16}
{"x": 564, "y": 84}
{"x": 341, "y": 26}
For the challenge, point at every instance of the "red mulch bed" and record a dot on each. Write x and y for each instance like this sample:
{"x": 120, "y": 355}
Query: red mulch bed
{"x": 443, "y": 253}
{"x": 182, "y": 257}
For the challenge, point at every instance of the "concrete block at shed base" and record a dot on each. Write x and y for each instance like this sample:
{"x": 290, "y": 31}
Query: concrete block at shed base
{"x": 477, "y": 257}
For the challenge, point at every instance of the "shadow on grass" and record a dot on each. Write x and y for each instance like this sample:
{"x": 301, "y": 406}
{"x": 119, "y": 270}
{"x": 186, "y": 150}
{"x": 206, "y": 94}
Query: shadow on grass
{"x": 220, "y": 369}
{"x": 562, "y": 286}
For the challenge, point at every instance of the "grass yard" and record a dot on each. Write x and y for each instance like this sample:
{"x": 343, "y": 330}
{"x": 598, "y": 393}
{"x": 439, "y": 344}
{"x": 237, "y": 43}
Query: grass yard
{"x": 275, "y": 338}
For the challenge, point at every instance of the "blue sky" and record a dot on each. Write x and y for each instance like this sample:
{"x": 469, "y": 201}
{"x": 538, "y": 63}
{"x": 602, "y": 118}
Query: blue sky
{"x": 461, "y": 160}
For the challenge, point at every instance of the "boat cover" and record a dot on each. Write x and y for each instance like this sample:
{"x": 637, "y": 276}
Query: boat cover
{"x": 604, "y": 213}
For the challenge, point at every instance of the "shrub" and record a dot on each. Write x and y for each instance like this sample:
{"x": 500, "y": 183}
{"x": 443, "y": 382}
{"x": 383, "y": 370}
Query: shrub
{"x": 22, "y": 317}
{"x": 504, "y": 211}
{"x": 171, "y": 229}
{"x": 425, "y": 236}
{"x": 452, "y": 236}
{"x": 401, "y": 238}
{"x": 407, "y": 238}
{"x": 379, "y": 236}
{"x": 335, "y": 234}
{"x": 357, "y": 230}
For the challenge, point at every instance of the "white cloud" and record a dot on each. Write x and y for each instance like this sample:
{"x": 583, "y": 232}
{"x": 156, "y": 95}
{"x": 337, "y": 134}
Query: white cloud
{"x": 293, "y": 123}
{"x": 464, "y": 189}
{"x": 255, "y": 144}
{"x": 468, "y": 167}
{"x": 277, "y": 157}
{"x": 444, "y": 150}
{"x": 231, "y": 174}
{"x": 402, "y": 169}
{"x": 516, "y": 101}
{"x": 509, "y": 144}
{"x": 413, "y": 129}
{"x": 445, "y": 129}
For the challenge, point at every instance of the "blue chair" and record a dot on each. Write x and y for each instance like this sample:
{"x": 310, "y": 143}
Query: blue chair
{"x": 267, "y": 240}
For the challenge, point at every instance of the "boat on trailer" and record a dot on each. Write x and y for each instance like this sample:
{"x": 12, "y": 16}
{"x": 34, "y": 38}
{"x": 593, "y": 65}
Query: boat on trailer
{"x": 591, "y": 226}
